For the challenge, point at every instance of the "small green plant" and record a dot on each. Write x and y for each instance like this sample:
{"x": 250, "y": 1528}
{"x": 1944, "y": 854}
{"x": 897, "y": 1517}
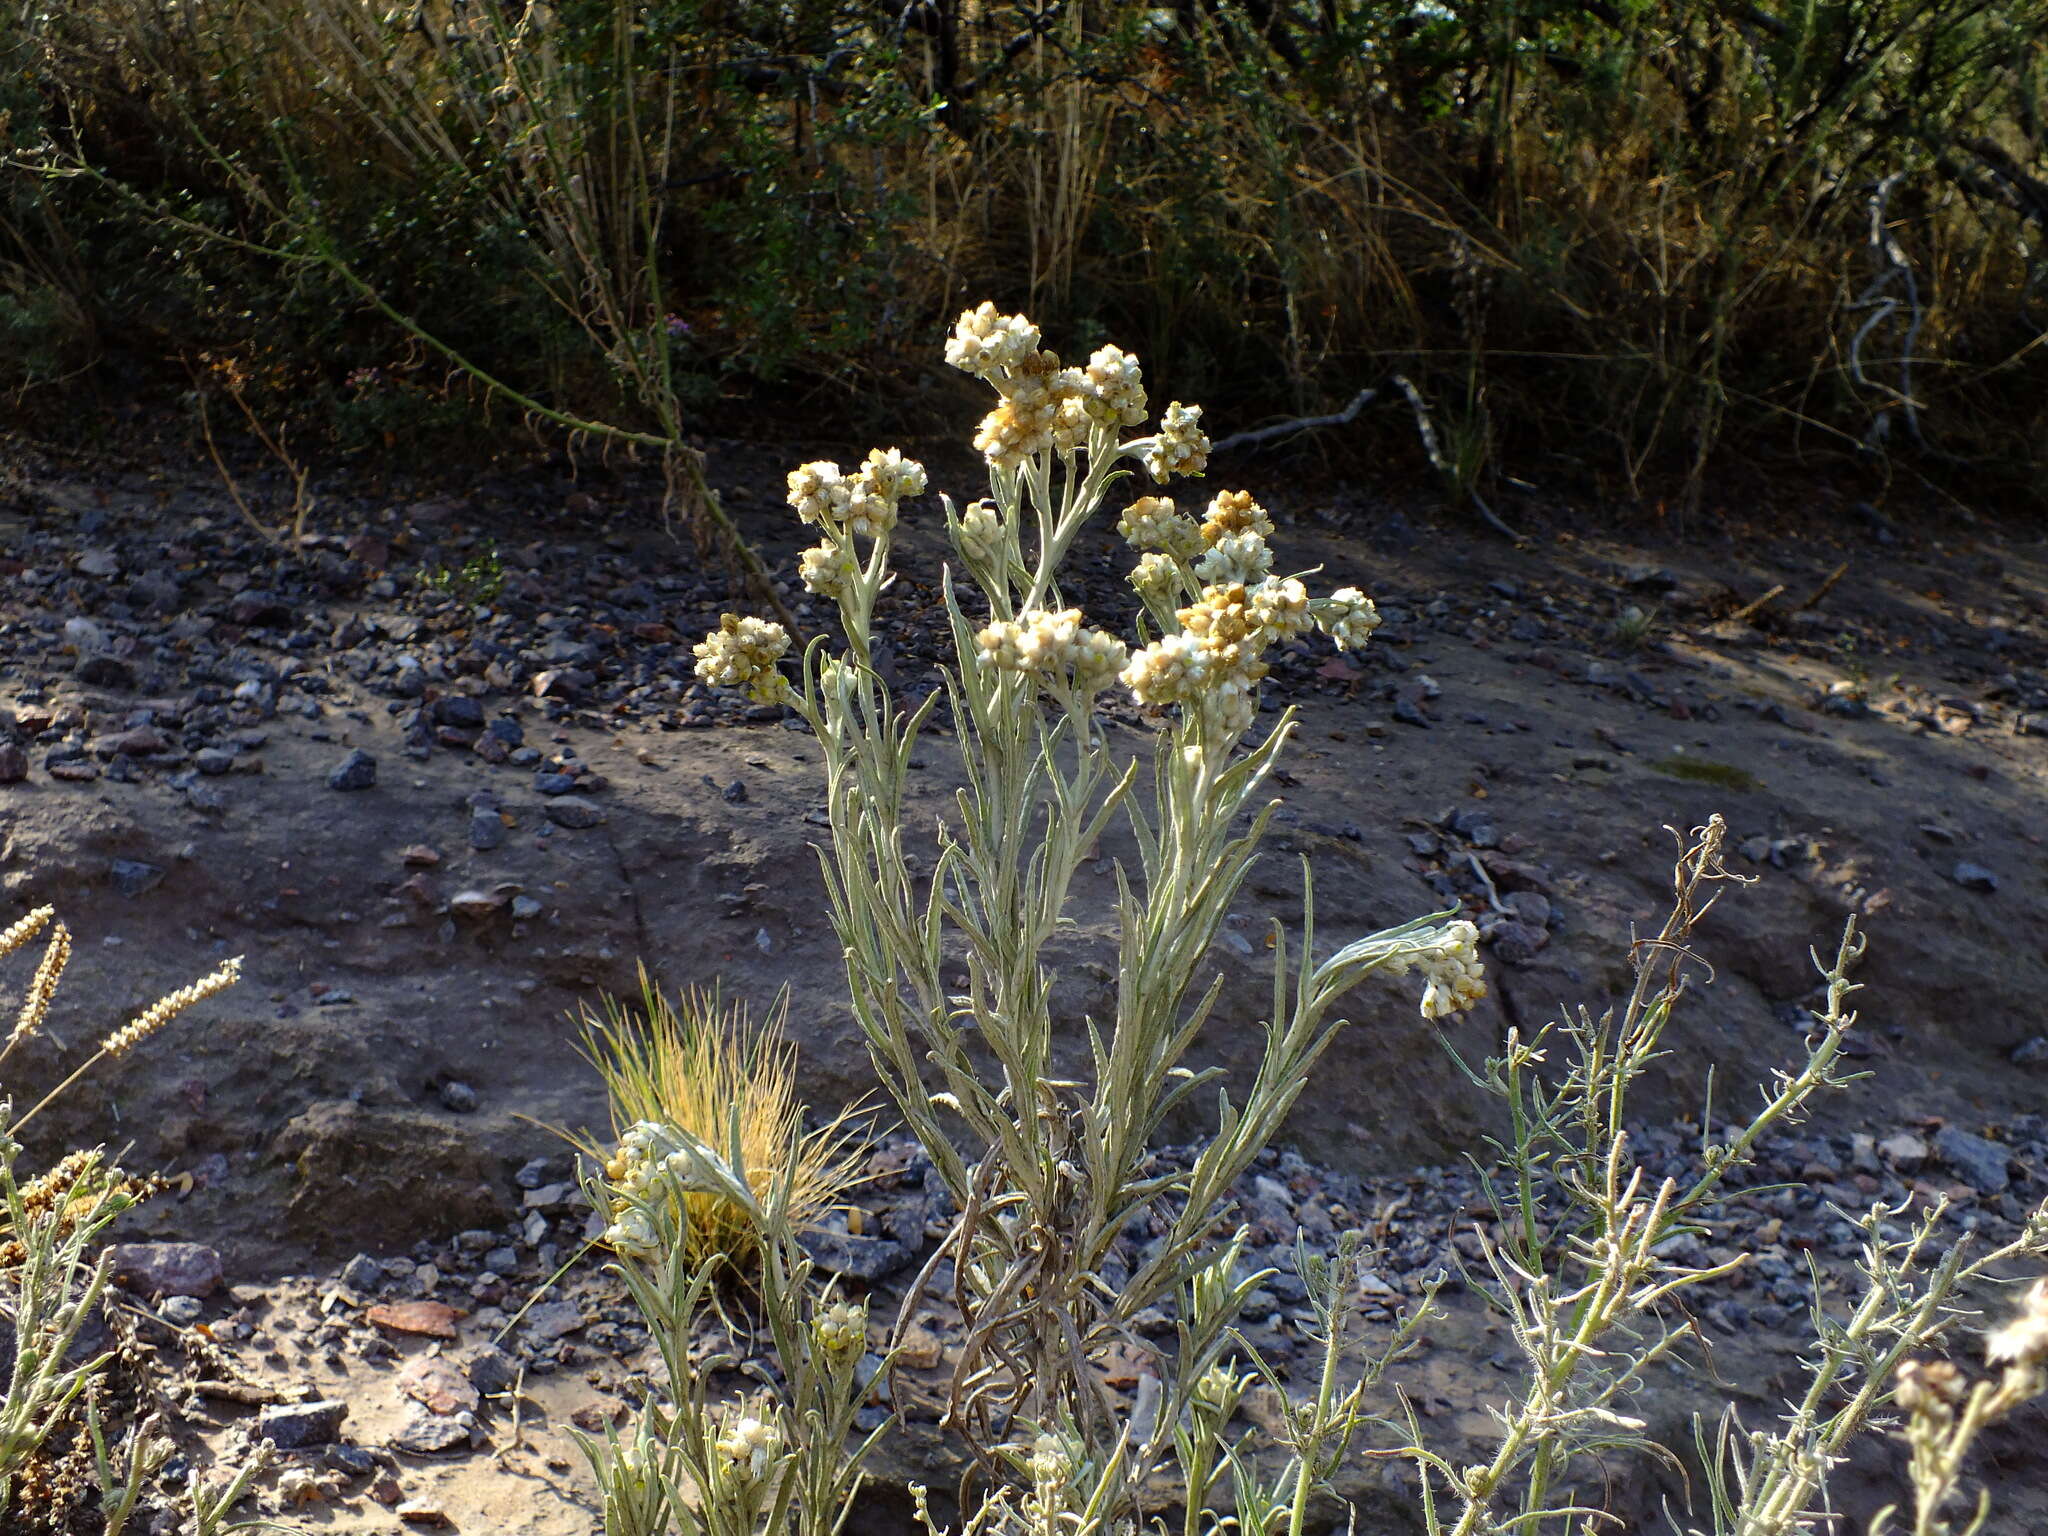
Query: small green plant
{"x": 1700, "y": 770}
{"x": 478, "y": 580}
{"x": 787, "y": 1458}
{"x": 1633, "y": 627}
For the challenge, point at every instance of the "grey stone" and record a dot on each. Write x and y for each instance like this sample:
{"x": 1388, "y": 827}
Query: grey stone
{"x": 182, "y": 1311}
{"x": 103, "y": 671}
{"x": 486, "y": 830}
{"x": 1974, "y": 877}
{"x": 350, "y": 1460}
{"x": 533, "y": 1173}
{"x": 458, "y": 1096}
{"x": 857, "y": 1258}
{"x": 132, "y": 878}
{"x": 1516, "y": 942}
{"x": 362, "y": 1273}
{"x": 369, "y": 1176}
{"x": 490, "y": 1369}
{"x": 13, "y": 762}
{"x": 460, "y": 711}
{"x": 166, "y": 1269}
{"x": 1904, "y": 1151}
{"x": 213, "y": 761}
{"x": 574, "y": 812}
{"x": 550, "y": 1320}
{"x": 357, "y": 771}
{"x": 425, "y": 1433}
{"x": 2031, "y": 1052}
{"x": 554, "y": 783}
{"x": 294, "y": 1426}
{"x": 1983, "y": 1165}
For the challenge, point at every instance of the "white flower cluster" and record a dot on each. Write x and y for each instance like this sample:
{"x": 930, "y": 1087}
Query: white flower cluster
{"x": 1116, "y": 387}
{"x": 827, "y": 569}
{"x": 1181, "y": 447}
{"x": 841, "y": 1330}
{"x": 1054, "y": 647}
{"x": 749, "y": 1447}
{"x": 1348, "y": 617}
{"x": 1051, "y": 1462}
{"x": 1233, "y": 514}
{"x": 1242, "y": 559}
{"x": 1217, "y": 659}
{"x": 1045, "y": 405}
{"x": 1157, "y": 578}
{"x": 1453, "y": 979}
{"x": 1152, "y": 523}
{"x": 864, "y": 502}
{"x": 633, "y": 1170}
{"x": 981, "y": 533}
{"x": 1171, "y": 670}
{"x": 1283, "y": 607}
{"x": 2024, "y": 1340}
{"x": 985, "y": 343}
{"x": 742, "y": 653}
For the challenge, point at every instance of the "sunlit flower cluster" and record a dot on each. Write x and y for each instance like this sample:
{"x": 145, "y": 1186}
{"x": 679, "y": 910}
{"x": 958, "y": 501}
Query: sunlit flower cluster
{"x": 1453, "y": 979}
{"x": 864, "y": 502}
{"x": 2023, "y": 1341}
{"x": 985, "y": 342}
{"x": 1157, "y": 578}
{"x": 742, "y": 653}
{"x": 749, "y": 1448}
{"x": 633, "y": 1171}
{"x": 1234, "y": 513}
{"x": 827, "y": 569}
{"x": 1152, "y": 523}
{"x": 1181, "y": 447}
{"x": 1054, "y": 647}
{"x": 1348, "y": 617}
{"x": 1116, "y": 387}
{"x": 819, "y": 493}
{"x": 1282, "y": 605}
{"x": 1171, "y": 670}
{"x": 1241, "y": 559}
{"x": 1044, "y": 406}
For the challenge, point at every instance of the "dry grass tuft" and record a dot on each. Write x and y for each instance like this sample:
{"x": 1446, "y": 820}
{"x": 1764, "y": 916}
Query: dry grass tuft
{"x": 690, "y": 1062}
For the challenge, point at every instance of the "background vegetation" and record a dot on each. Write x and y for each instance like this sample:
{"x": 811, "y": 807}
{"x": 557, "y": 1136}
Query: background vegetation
{"x": 1607, "y": 239}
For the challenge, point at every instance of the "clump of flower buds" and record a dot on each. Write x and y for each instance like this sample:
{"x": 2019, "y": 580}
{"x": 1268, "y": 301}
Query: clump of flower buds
{"x": 742, "y": 653}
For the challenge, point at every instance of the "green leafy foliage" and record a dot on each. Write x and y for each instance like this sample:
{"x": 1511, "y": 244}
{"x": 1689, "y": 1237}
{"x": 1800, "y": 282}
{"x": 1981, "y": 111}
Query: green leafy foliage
{"x": 1814, "y": 225}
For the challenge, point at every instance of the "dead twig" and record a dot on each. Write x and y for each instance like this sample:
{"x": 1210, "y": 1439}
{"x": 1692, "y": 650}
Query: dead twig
{"x": 1823, "y": 589}
{"x": 1748, "y": 608}
{"x": 1426, "y": 430}
{"x": 1299, "y": 424}
{"x": 302, "y": 503}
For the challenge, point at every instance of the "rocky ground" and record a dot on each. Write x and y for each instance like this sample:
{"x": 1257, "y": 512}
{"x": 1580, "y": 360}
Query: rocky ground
{"x": 443, "y": 776}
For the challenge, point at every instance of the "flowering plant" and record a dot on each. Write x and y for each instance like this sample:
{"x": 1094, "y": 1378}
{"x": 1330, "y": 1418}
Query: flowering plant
{"x": 947, "y": 972}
